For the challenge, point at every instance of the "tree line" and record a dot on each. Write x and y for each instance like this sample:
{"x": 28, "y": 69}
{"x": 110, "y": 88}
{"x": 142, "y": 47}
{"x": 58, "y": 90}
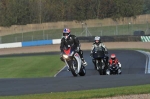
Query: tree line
{"x": 21, "y": 12}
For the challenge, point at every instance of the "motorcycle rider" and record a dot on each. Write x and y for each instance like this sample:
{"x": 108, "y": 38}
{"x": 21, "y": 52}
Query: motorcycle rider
{"x": 69, "y": 40}
{"x": 98, "y": 44}
{"x": 113, "y": 59}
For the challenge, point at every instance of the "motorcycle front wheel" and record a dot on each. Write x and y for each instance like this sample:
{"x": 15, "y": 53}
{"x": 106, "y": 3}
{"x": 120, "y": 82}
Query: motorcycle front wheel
{"x": 82, "y": 71}
{"x": 99, "y": 67}
{"x": 73, "y": 67}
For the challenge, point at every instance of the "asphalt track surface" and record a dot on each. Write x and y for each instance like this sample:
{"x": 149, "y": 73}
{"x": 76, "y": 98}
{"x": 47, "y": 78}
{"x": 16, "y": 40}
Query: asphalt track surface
{"x": 133, "y": 73}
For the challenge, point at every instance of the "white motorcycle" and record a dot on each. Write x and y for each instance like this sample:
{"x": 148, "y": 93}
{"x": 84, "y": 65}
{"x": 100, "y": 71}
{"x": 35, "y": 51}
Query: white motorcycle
{"x": 73, "y": 61}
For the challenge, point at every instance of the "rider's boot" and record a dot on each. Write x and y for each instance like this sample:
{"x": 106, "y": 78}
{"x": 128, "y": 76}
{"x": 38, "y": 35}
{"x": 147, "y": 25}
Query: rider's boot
{"x": 82, "y": 59}
{"x": 119, "y": 70}
{"x": 84, "y": 62}
{"x": 106, "y": 68}
{"x": 93, "y": 60}
{"x": 106, "y": 63}
{"x": 107, "y": 72}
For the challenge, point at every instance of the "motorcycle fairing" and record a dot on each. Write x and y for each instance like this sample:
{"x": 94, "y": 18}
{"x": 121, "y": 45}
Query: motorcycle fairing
{"x": 70, "y": 52}
{"x": 77, "y": 57}
{"x": 67, "y": 51}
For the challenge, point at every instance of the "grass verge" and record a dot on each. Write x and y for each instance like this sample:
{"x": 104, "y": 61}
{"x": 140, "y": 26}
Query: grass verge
{"x": 87, "y": 94}
{"x": 30, "y": 66}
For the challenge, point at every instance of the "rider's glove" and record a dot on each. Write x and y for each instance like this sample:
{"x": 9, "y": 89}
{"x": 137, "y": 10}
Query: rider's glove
{"x": 77, "y": 49}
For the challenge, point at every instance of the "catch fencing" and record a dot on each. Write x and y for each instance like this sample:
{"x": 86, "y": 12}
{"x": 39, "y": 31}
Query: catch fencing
{"x": 97, "y": 27}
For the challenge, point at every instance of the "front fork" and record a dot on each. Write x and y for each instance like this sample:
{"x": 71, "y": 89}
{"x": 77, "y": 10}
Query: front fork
{"x": 97, "y": 65}
{"x": 100, "y": 64}
{"x": 67, "y": 64}
{"x": 71, "y": 62}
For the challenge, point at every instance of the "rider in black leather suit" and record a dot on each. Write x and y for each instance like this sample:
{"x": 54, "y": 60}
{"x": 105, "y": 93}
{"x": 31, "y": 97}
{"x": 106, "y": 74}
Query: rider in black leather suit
{"x": 69, "y": 40}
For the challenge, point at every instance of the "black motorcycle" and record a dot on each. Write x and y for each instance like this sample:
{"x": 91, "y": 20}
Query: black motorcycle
{"x": 99, "y": 57}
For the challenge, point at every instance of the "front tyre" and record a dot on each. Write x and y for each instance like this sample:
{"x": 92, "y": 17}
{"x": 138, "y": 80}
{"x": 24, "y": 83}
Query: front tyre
{"x": 82, "y": 71}
{"x": 72, "y": 68}
{"x": 100, "y": 69}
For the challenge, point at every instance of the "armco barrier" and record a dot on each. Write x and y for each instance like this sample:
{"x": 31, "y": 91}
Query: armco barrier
{"x": 30, "y": 43}
{"x": 11, "y": 45}
{"x": 36, "y": 43}
{"x": 56, "y": 41}
{"x": 82, "y": 39}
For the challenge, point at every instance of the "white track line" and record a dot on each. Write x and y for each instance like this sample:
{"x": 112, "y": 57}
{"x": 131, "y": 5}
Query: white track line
{"x": 147, "y": 67}
{"x": 59, "y": 71}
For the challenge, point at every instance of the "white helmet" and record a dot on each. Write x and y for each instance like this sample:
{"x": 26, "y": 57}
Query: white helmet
{"x": 97, "y": 38}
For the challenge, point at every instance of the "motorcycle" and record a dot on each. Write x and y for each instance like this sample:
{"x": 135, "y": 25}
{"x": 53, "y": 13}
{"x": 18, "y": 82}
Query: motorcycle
{"x": 100, "y": 60}
{"x": 73, "y": 61}
{"x": 113, "y": 69}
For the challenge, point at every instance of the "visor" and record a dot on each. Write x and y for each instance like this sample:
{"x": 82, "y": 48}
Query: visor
{"x": 65, "y": 34}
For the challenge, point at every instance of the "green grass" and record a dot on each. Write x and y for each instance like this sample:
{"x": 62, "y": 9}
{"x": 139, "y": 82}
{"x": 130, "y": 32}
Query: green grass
{"x": 87, "y": 94}
{"x": 30, "y": 66}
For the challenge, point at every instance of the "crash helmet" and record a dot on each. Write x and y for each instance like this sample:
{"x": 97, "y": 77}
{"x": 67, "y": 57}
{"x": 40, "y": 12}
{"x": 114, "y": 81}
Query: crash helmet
{"x": 97, "y": 39}
{"x": 66, "y": 33}
{"x": 113, "y": 57}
